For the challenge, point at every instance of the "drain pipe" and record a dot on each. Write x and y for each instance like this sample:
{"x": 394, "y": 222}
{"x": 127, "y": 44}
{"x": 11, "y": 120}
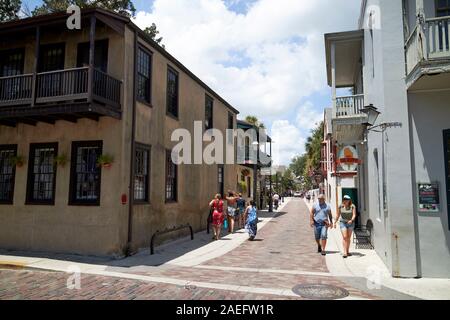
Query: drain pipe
{"x": 133, "y": 148}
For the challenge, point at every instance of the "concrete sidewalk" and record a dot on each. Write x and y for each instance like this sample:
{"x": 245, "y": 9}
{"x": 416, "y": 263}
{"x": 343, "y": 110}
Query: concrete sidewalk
{"x": 367, "y": 264}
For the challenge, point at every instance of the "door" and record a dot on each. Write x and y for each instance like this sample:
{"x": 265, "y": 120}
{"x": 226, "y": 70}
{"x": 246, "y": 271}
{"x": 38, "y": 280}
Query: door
{"x": 447, "y": 169}
{"x": 51, "y": 58}
{"x": 100, "y": 55}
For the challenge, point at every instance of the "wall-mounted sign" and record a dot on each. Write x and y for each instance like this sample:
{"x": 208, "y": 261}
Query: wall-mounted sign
{"x": 428, "y": 197}
{"x": 348, "y": 158}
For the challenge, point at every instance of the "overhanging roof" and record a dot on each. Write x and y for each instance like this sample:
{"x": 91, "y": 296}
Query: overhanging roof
{"x": 348, "y": 56}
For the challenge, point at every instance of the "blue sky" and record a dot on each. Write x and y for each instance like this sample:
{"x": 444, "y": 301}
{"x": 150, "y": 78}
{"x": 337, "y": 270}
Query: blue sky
{"x": 266, "y": 57}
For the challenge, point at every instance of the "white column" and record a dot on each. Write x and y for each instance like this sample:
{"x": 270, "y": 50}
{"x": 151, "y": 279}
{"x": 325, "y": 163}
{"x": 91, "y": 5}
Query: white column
{"x": 420, "y": 9}
{"x": 333, "y": 77}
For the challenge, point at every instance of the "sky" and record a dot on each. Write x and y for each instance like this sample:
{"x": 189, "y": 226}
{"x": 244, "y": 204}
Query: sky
{"x": 265, "y": 57}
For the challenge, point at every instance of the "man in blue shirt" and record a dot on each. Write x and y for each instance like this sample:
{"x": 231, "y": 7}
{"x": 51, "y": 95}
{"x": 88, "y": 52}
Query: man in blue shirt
{"x": 321, "y": 219}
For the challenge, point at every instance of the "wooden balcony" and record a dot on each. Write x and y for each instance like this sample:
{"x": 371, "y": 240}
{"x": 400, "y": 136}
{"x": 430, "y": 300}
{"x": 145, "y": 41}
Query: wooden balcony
{"x": 349, "y": 106}
{"x": 62, "y": 92}
{"x": 347, "y": 118}
{"x": 428, "y": 48}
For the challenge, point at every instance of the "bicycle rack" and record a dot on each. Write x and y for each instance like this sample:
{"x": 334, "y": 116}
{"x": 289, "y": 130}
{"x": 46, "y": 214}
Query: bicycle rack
{"x": 168, "y": 230}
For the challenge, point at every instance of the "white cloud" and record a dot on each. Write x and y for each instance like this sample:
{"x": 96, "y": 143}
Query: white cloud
{"x": 265, "y": 62}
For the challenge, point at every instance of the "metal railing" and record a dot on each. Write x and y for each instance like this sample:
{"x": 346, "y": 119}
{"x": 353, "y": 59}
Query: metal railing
{"x": 430, "y": 40}
{"x": 157, "y": 233}
{"x": 61, "y": 85}
{"x": 349, "y": 106}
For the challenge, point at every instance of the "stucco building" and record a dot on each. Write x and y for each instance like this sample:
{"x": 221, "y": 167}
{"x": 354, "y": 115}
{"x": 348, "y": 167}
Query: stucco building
{"x": 69, "y": 98}
{"x": 397, "y": 169}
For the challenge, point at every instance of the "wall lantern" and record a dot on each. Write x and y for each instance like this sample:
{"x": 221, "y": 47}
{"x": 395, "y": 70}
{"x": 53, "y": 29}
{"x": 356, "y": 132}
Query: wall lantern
{"x": 372, "y": 115}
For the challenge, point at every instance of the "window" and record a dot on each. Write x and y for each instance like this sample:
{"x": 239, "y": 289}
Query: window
{"x": 141, "y": 173}
{"x": 42, "y": 173}
{"x": 11, "y": 62}
{"x": 230, "y": 126}
{"x": 172, "y": 92}
{"x": 85, "y": 180}
{"x": 7, "y": 173}
{"x": 51, "y": 57}
{"x": 443, "y": 8}
{"x": 209, "y": 102}
{"x": 447, "y": 168}
{"x": 249, "y": 187}
{"x": 144, "y": 72}
{"x": 220, "y": 180}
{"x": 171, "y": 178}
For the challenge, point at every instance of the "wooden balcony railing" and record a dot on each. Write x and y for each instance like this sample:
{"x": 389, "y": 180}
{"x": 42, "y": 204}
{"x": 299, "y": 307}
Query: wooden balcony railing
{"x": 59, "y": 86}
{"x": 428, "y": 41}
{"x": 349, "y": 106}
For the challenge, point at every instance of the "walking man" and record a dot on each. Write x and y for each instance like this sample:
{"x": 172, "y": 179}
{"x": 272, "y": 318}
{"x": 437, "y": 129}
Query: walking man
{"x": 321, "y": 219}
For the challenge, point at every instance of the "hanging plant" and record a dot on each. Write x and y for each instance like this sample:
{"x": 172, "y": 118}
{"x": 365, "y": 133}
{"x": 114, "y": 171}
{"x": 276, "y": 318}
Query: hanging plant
{"x": 61, "y": 160}
{"x": 105, "y": 161}
{"x": 17, "y": 161}
{"x": 242, "y": 186}
{"x": 246, "y": 172}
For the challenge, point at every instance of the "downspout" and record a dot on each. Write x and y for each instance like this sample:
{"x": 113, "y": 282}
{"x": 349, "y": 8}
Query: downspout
{"x": 133, "y": 147}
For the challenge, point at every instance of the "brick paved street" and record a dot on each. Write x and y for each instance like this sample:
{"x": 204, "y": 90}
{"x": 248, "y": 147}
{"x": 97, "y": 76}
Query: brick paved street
{"x": 284, "y": 256}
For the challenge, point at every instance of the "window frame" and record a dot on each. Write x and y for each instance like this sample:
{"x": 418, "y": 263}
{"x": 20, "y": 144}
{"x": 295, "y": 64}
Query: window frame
{"x": 148, "y": 149}
{"x": 441, "y": 9}
{"x": 221, "y": 180}
{"x": 210, "y": 99}
{"x": 177, "y": 89}
{"x": 31, "y": 174}
{"x": 230, "y": 125}
{"x": 42, "y": 67}
{"x": 73, "y": 179}
{"x": 168, "y": 161}
{"x": 138, "y": 74}
{"x": 10, "y": 147}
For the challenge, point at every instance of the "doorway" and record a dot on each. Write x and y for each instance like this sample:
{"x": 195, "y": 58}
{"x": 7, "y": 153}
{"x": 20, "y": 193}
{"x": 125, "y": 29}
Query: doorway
{"x": 447, "y": 169}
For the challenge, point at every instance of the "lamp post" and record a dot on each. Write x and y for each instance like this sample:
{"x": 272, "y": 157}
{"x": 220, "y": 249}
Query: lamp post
{"x": 255, "y": 171}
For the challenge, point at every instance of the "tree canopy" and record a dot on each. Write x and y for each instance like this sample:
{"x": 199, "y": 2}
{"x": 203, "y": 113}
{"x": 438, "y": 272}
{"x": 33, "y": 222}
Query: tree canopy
{"x": 153, "y": 32}
{"x": 9, "y": 10}
{"x": 255, "y": 121}
{"x": 124, "y": 7}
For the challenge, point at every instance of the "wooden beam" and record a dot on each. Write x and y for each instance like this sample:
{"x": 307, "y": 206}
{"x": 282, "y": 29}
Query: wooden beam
{"x": 91, "y": 57}
{"x": 27, "y": 121}
{"x": 35, "y": 66}
{"x": 46, "y": 119}
{"x": 68, "y": 118}
{"x": 8, "y": 123}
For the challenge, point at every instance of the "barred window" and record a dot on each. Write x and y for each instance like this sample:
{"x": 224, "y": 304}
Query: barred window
{"x": 209, "y": 102}
{"x": 86, "y": 174}
{"x": 141, "y": 173}
{"x": 143, "y": 75}
{"x": 443, "y": 8}
{"x": 171, "y": 178}
{"x": 220, "y": 180}
{"x": 230, "y": 126}
{"x": 7, "y": 173}
{"x": 42, "y": 173}
{"x": 172, "y": 92}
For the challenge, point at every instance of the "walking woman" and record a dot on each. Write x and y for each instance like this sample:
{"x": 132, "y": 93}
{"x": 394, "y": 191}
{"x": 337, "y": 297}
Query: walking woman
{"x": 346, "y": 216}
{"x": 231, "y": 209}
{"x": 251, "y": 218}
{"x": 217, "y": 216}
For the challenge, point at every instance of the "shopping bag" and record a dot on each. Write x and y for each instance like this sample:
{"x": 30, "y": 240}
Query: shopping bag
{"x": 225, "y": 224}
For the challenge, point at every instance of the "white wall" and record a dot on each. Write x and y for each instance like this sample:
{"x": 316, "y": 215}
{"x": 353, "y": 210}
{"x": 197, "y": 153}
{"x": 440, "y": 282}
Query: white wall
{"x": 430, "y": 115}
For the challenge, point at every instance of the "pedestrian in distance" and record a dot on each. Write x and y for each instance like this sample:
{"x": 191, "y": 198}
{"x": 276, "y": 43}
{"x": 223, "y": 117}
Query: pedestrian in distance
{"x": 231, "y": 209}
{"x": 321, "y": 219}
{"x": 346, "y": 216}
{"x": 276, "y": 200}
{"x": 218, "y": 215}
{"x": 251, "y": 220}
{"x": 240, "y": 203}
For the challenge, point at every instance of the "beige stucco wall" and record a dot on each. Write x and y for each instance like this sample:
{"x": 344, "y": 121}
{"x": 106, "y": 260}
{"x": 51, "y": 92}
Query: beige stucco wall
{"x": 103, "y": 230}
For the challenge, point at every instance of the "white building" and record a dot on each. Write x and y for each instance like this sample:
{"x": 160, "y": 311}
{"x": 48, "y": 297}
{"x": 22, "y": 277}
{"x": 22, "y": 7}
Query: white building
{"x": 398, "y": 61}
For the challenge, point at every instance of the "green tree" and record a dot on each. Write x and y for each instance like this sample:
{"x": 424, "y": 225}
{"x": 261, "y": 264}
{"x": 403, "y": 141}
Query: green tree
{"x": 9, "y": 10}
{"x": 153, "y": 32}
{"x": 287, "y": 180}
{"x": 255, "y": 121}
{"x": 124, "y": 7}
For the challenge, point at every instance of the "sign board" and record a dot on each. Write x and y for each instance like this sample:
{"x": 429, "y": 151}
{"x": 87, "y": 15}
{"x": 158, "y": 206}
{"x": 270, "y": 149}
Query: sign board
{"x": 348, "y": 158}
{"x": 428, "y": 197}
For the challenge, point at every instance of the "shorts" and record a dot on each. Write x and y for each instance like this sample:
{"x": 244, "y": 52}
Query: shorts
{"x": 321, "y": 232}
{"x": 231, "y": 211}
{"x": 345, "y": 226}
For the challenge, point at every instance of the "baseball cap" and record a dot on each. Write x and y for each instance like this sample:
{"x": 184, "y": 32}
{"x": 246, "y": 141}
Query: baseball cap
{"x": 346, "y": 197}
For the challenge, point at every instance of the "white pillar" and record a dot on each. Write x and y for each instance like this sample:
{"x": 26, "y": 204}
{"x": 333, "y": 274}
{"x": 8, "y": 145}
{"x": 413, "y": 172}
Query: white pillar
{"x": 333, "y": 77}
{"x": 420, "y": 9}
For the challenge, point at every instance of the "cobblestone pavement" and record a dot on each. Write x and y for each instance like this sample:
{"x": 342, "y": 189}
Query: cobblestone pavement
{"x": 284, "y": 256}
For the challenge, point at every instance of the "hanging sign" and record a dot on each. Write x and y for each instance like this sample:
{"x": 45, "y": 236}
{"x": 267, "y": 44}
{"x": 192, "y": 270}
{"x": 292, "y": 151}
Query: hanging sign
{"x": 348, "y": 158}
{"x": 428, "y": 197}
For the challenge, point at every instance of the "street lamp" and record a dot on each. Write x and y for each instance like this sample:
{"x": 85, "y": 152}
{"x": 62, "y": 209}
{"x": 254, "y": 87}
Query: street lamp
{"x": 372, "y": 116}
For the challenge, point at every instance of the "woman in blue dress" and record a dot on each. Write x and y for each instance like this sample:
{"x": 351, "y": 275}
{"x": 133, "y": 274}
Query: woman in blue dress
{"x": 251, "y": 218}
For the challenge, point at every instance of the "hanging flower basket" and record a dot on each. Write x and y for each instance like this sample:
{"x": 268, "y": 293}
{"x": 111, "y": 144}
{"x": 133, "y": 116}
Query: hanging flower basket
{"x": 105, "y": 161}
{"x": 246, "y": 172}
{"x": 17, "y": 161}
{"x": 242, "y": 187}
{"x": 61, "y": 160}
